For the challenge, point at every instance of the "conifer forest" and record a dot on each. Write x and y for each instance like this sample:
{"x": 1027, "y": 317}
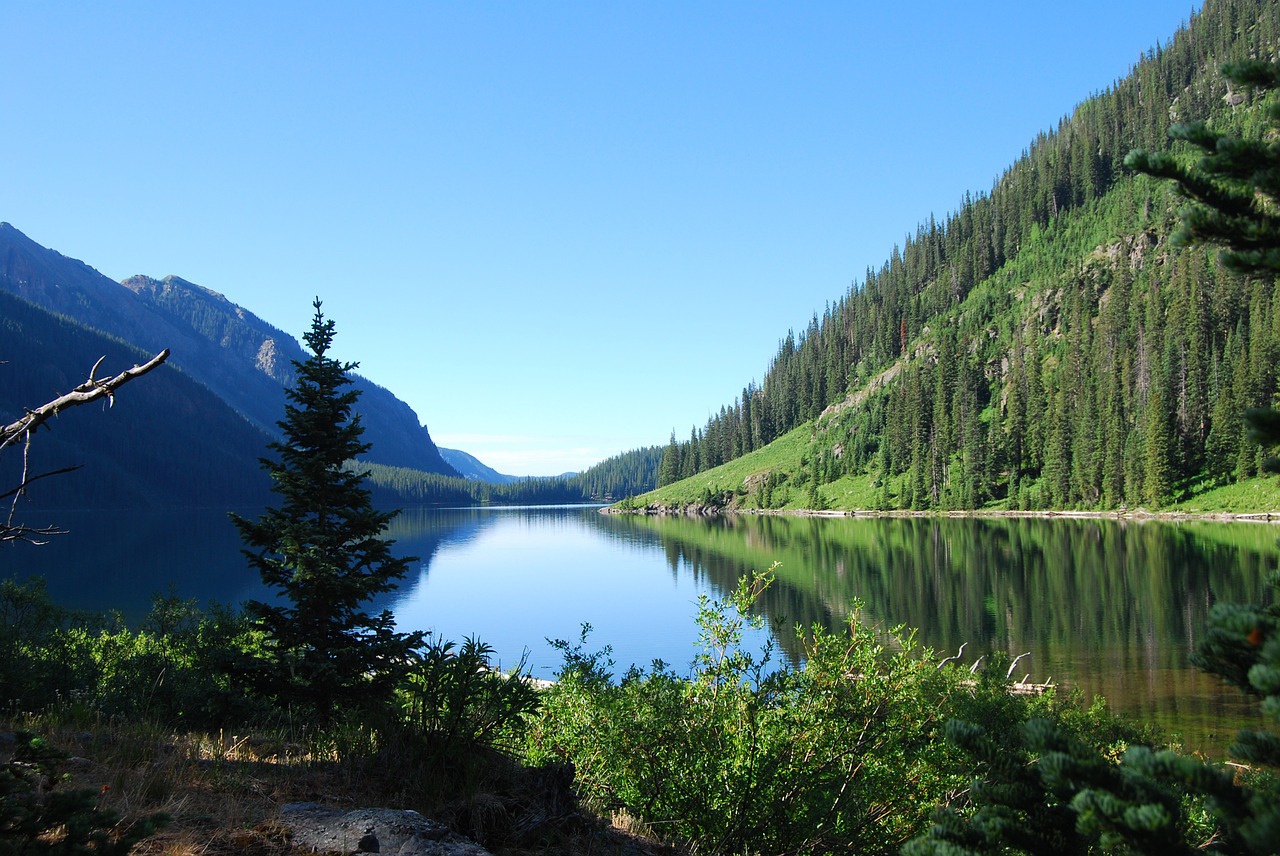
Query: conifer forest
{"x": 1045, "y": 345}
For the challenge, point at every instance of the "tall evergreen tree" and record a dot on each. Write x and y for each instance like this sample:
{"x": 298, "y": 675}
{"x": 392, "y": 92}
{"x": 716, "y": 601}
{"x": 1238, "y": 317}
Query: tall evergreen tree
{"x": 322, "y": 549}
{"x": 1236, "y": 188}
{"x": 1235, "y": 185}
{"x": 669, "y": 469}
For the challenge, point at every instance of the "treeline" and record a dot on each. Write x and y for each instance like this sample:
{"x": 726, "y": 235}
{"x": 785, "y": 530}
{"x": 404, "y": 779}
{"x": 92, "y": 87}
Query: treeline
{"x": 400, "y": 485}
{"x": 623, "y": 475}
{"x": 1040, "y": 346}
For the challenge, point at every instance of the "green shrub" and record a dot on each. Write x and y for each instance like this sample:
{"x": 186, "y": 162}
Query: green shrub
{"x": 179, "y": 666}
{"x": 842, "y": 753}
{"x": 456, "y": 702}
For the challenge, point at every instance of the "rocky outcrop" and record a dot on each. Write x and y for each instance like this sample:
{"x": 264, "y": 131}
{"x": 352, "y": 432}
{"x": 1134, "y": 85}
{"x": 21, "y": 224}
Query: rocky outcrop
{"x": 316, "y": 829}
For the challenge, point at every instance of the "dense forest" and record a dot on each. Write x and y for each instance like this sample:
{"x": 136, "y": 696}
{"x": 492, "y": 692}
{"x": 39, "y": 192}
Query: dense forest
{"x": 614, "y": 478}
{"x": 1043, "y": 346}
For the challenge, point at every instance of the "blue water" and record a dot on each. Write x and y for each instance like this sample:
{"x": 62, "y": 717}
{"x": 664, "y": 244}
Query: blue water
{"x": 1102, "y": 607}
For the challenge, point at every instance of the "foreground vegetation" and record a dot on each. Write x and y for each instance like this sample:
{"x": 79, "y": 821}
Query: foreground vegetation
{"x": 869, "y": 745}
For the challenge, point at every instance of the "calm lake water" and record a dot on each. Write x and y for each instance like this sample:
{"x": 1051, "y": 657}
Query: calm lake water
{"x": 1108, "y": 607}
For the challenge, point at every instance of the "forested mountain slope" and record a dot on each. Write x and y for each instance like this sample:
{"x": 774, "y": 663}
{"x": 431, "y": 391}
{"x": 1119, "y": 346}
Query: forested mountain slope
{"x": 165, "y": 441}
{"x": 1043, "y": 346}
{"x": 241, "y": 358}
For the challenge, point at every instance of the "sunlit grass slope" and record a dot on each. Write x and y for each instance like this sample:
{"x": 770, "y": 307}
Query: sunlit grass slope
{"x": 777, "y": 478}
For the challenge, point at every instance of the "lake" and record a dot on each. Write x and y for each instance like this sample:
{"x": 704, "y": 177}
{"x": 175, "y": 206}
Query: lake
{"x": 1110, "y": 607}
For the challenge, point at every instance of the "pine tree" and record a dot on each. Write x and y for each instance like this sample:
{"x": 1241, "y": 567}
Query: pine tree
{"x": 669, "y": 469}
{"x": 322, "y": 549}
{"x": 1236, "y": 188}
{"x": 1158, "y": 440}
{"x": 1235, "y": 185}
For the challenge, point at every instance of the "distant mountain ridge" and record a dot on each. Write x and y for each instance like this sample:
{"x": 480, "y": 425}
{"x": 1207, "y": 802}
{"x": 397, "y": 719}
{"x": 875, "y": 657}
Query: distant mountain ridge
{"x": 165, "y": 441}
{"x": 471, "y": 468}
{"x": 242, "y": 359}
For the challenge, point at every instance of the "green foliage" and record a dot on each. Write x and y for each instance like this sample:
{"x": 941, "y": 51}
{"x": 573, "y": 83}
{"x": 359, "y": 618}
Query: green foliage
{"x": 1235, "y": 185}
{"x": 840, "y": 754}
{"x": 1042, "y": 789}
{"x": 457, "y": 703}
{"x": 323, "y": 549}
{"x": 37, "y": 817}
{"x": 1044, "y": 346}
{"x": 176, "y": 668}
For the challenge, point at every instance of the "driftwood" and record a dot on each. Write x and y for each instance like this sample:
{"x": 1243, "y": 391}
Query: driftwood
{"x": 1020, "y": 687}
{"x": 93, "y": 389}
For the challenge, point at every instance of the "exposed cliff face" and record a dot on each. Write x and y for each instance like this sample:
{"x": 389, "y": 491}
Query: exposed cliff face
{"x": 211, "y": 315}
{"x": 267, "y": 360}
{"x": 241, "y": 358}
{"x": 238, "y": 333}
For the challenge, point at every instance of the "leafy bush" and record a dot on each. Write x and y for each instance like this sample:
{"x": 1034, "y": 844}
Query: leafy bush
{"x": 457, "y": 702}
{"x": 178, "y": 667}
{"x": 843, "y": 753}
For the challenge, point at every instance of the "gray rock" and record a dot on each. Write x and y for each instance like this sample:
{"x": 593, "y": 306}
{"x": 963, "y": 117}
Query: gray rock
{"x": 372, "y": 830}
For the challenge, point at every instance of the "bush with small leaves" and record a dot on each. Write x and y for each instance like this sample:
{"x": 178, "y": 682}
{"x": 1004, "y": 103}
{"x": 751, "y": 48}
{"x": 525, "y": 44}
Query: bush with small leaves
{"x": 842, "y": 753}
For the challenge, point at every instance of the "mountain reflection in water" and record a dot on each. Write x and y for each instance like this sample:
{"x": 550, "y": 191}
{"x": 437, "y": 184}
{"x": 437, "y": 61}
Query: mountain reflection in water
{"x": 1104, "y": 606}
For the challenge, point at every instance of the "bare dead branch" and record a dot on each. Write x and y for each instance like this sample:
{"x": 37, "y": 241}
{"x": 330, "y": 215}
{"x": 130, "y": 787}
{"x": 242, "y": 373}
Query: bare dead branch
{"x": 91, "y": 390}
{"x": 28, "y": 480}
{"x": 1014, "y": 665}
{"x": 30, "y": 534}
{"x": 955, "y": 657}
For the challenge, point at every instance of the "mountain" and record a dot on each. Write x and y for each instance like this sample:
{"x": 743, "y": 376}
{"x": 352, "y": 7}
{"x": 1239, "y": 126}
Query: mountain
{"x": 1043, "y": 347}
{"x": 164, "y": 441}
{"x": 471, "y": 468}
{"x": 240, "y": 358}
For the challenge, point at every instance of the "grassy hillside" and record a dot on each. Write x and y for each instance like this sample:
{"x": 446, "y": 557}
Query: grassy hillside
{"x": 1044, "y": 348}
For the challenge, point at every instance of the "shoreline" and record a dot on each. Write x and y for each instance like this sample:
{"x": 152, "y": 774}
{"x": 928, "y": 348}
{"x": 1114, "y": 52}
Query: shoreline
{"x": 1137, "y": 515}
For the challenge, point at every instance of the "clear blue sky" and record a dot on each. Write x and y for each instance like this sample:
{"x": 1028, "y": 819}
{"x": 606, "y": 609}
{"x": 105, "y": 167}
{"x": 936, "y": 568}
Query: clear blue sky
{"x": 558, "y": 230}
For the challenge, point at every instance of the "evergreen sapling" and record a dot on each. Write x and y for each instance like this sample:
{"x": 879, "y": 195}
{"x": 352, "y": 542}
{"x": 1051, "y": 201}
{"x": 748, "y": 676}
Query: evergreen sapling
{"x": 323, "y": 549}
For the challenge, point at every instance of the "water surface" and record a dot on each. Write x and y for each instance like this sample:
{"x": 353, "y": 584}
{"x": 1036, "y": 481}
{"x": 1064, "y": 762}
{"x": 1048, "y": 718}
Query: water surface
{"x": 1105, "y": 606}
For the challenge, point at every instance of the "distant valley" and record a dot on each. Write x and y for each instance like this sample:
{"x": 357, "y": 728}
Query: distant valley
{"x": 469, "y": 467}
{"x": 192, "y": 433}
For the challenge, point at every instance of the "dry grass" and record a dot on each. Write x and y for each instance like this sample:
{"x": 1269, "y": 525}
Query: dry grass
{"x": 223, "y": 792}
